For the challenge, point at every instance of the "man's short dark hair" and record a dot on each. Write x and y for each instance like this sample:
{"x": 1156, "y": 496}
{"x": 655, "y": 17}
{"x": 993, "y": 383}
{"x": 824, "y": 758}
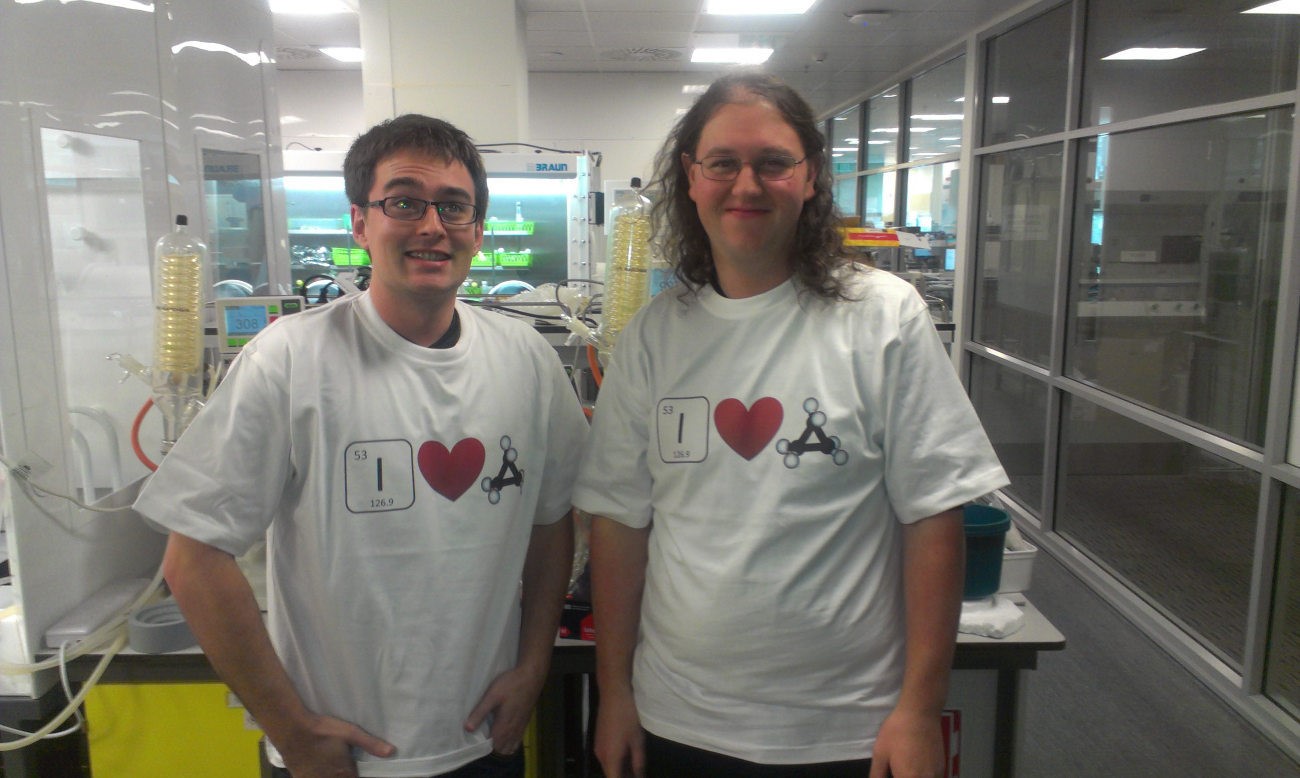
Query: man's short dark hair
{"x": 411, "y": 132}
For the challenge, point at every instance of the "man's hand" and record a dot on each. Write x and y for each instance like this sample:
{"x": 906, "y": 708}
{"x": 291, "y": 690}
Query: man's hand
{"x": 908, "y": 746}
{"x": 325, "y": 749}
{"x": 620, "y": 741}
{"x": 509, "y": 700}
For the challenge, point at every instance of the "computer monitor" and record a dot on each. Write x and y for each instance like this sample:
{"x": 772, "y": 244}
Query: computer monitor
{"x": 950, "y": 259}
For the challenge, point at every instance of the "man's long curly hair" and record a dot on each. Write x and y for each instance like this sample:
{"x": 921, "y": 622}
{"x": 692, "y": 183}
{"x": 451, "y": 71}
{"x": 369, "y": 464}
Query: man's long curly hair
{"x": 679, "y": 235}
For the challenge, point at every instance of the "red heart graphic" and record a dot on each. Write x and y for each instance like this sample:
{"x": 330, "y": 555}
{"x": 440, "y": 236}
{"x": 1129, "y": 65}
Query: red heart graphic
{"x": 748, "y": 431}
{"x": 450, "y": 473}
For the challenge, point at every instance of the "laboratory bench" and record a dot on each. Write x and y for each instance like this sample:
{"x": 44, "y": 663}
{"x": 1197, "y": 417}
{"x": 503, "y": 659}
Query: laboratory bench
{"x": 982, "y": 720}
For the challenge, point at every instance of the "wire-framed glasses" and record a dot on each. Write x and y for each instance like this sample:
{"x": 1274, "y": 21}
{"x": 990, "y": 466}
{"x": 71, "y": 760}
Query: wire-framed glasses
{"x": 771, "y": 167}
{"x": 409, "y": 209}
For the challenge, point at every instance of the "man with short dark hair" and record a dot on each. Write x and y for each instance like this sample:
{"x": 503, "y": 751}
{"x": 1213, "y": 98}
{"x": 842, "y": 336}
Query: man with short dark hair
{"x": 364, "y": 439}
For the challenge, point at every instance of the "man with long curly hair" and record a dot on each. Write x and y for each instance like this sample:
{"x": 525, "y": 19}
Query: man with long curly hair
{"x": 779, "y": 457}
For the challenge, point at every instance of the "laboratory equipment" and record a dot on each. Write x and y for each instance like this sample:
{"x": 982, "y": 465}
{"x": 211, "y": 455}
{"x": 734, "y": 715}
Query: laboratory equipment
{"x": 240, "y": 318}
{"x": 627, "y": 268}
{"x": 177, "y": 374}
{"x": 539, "y": 220}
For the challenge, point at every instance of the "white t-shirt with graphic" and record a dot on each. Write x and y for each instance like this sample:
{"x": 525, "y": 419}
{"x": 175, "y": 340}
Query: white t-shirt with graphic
{"x": 399, "y": 485}
{"x": 778, "y": 443}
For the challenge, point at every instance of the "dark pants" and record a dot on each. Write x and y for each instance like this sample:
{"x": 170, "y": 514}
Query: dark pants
{"x": 490, "y": 766}
{"x": 669, "y": 759}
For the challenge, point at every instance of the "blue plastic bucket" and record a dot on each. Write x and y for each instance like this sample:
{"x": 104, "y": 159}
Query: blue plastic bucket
{"x": 986, "y": 532}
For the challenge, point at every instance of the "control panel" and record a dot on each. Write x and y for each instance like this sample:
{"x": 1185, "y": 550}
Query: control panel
{"x": 240, "y": 318}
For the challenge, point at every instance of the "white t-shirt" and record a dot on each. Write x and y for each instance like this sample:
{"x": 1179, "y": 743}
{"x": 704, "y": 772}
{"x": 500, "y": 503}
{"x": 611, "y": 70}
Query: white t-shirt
{"x": 399, "y": 485}
{"x": 777, "y": 442}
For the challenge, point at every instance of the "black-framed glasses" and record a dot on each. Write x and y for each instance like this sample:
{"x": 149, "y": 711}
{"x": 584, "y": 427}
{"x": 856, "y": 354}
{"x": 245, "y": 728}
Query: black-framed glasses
{"x": 771, "y": 167}
{"x": 409, "y": 209}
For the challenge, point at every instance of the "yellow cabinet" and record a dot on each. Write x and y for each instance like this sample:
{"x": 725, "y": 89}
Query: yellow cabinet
{"x": 161, "y": 730}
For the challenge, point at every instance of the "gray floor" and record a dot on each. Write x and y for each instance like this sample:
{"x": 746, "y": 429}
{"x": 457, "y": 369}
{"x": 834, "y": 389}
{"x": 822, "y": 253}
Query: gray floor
{"x": 1114, "y": 704}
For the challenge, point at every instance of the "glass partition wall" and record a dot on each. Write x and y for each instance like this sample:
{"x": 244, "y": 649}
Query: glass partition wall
{"x": 1129, "y": 331}
{"x": 907, "y": 140}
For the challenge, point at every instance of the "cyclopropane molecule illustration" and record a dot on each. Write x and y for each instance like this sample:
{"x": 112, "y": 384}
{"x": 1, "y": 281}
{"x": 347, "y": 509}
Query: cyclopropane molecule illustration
{"x": 493, "y": 486}
{"x": 829, "y": 446}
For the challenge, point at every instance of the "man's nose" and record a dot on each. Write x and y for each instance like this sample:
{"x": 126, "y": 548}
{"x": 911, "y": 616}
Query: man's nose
{"x": 748, "y": 178}
{"x": 432, "y": 221}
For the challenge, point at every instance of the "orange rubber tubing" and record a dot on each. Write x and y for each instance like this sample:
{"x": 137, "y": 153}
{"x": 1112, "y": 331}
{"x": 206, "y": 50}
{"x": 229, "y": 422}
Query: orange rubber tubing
{"x": 594, "y": 364}
{"x": 135, "y": 435}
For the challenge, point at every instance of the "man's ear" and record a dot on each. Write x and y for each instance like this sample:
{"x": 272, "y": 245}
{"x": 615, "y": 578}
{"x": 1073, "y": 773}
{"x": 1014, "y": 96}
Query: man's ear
{"x": 359, "y": 226}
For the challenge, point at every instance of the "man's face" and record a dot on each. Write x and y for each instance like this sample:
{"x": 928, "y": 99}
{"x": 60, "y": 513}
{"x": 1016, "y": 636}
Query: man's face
{"x": 424, "y": 260}
{"x": 750, "y": 218}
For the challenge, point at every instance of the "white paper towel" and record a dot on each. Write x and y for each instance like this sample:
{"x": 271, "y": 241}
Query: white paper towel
{"x": 994, "y": 617}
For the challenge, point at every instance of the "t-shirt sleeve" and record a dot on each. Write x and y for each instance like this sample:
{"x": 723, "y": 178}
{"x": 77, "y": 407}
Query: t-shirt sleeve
{"x": 223, "y": 480}
{"x": 937, "y": 455}
{"x": 613, "y": 480}
{"x": 566, "y": 437}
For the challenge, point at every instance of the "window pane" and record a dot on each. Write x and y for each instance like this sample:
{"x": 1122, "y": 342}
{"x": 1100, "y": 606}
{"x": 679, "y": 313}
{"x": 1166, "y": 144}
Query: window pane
{"x": 1282, "y": 668}
{"x": 878, "y": 197}
{"x": 846, "y": 196}
{"x": 1013, "y": 408}
{"x": 95, "y": 200}
{"x": 934, "y": 126}
{"x": 1175, "y": 268}
{"x": 1028, "y": 68}
{"x": 1241, "y": 55}
{"x": 882, "y": 129}
{"x": 932, "y": 198}
{"x": 232, "y": 189}
{"x": 932, "y": 209}
{"x": 1174, "y": 522}
{"x": 1016, "y": 258}
{"x": 846, "y": 133}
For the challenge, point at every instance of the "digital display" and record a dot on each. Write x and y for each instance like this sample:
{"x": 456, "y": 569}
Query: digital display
{"x": 245, "y": 320}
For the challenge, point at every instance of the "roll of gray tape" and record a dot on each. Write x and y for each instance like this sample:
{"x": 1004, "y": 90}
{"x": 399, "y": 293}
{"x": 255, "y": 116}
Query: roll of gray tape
{"x": 158, "y": 629}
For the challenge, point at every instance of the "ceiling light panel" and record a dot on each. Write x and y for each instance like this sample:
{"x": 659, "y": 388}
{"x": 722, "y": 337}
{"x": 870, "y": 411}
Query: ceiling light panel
{"x": 1279, "y": 7}
{"x": 757, "y": 7}
{"x": 310, "y": 7}
{"x": 343, "y": 53}
{"x": 731, "y": 56}
{"x": 1152, "y": 54}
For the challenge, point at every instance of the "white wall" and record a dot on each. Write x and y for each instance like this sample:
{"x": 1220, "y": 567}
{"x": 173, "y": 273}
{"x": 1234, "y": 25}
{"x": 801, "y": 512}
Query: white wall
{"x": 625, "y": 116}
{"x": 320, "y": 108}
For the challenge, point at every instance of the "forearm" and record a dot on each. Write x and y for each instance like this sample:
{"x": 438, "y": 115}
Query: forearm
{"x": 547, "y": 567}
{"x": 933, "y": 575}
{"x": 618, "y": 564}
{"x": 223, "y": 614}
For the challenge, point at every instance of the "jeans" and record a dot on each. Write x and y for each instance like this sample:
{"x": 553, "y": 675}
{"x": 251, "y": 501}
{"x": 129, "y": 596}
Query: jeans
{"x": 490, "y": 766}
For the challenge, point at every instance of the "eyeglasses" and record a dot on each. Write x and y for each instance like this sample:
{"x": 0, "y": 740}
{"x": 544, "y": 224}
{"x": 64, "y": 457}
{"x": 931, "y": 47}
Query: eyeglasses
{"x": 410, "y": 209}
{"x": 777, "y": 167}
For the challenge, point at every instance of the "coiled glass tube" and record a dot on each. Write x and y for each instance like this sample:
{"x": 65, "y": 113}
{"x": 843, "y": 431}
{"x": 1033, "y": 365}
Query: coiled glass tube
{"x": 178, "y": 315}
{"x": 627, "y": 280}
{"x": 177, "y": 372}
